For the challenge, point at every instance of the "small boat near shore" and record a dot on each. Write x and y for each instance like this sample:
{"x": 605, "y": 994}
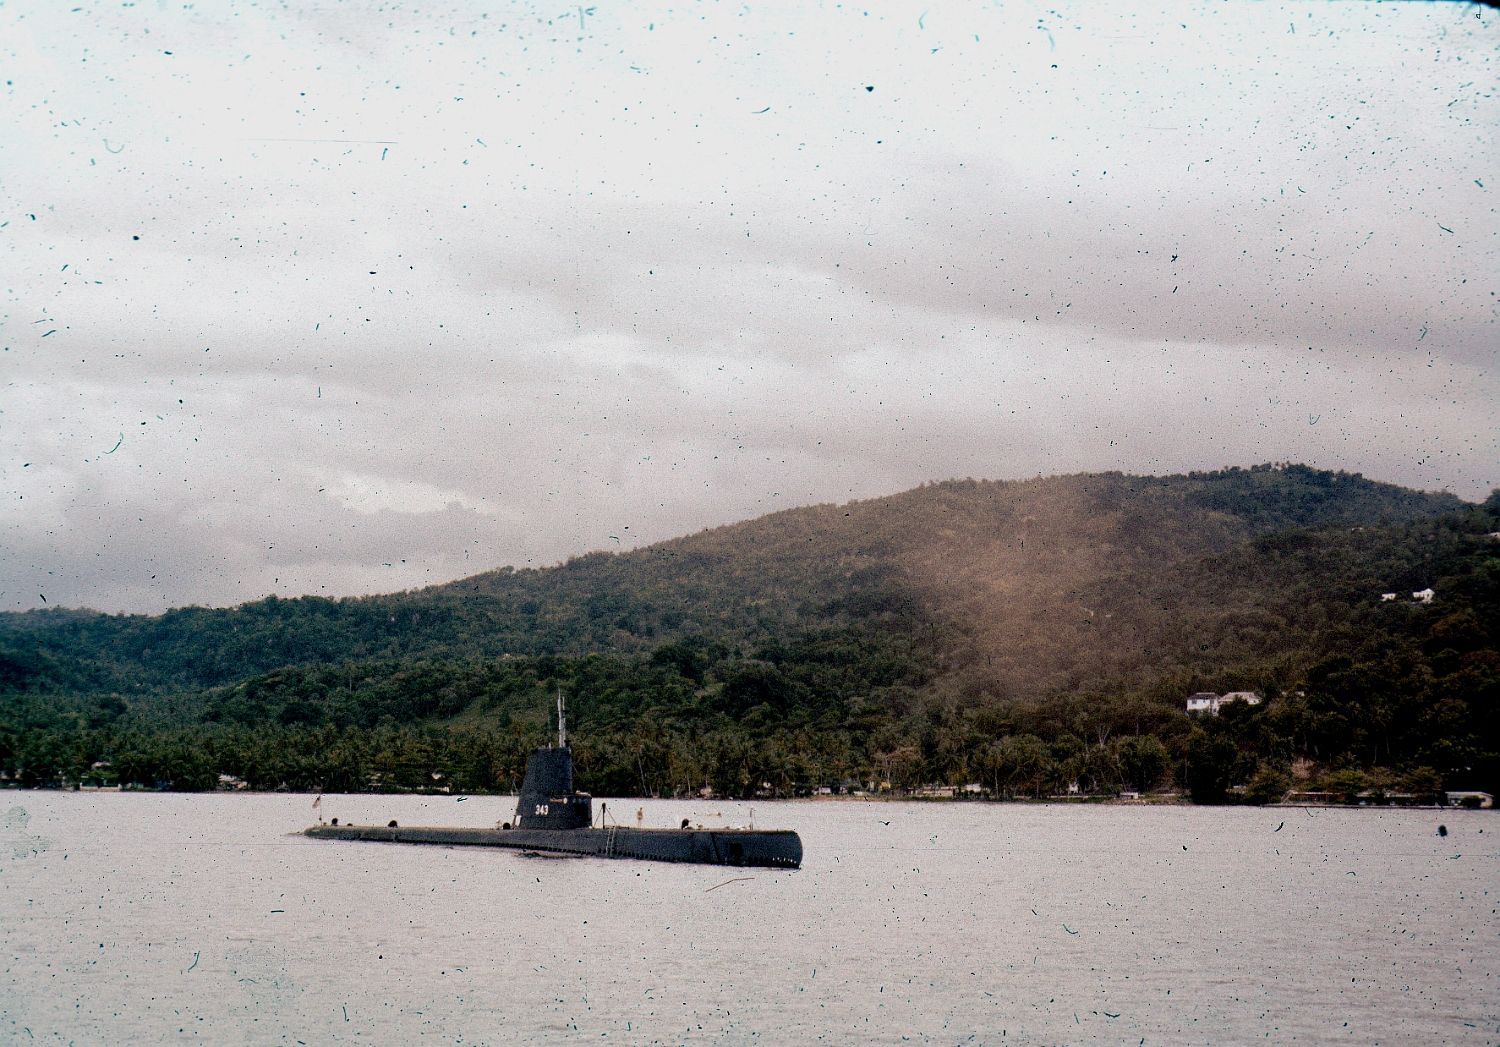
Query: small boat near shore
{"x": 553, "y": 818}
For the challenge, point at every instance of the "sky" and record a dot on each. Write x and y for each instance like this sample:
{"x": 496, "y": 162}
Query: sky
{"x": 356, "y": 297}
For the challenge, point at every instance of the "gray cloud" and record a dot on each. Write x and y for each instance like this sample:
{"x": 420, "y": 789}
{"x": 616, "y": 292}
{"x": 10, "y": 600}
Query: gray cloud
{"x": 609, "y": 282}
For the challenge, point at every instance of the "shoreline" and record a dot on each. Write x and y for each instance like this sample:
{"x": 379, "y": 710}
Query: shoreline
{"x": 1162, "y": 800}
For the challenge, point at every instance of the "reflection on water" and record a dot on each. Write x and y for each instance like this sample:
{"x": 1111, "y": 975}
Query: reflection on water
{"x": 144, "y": 918}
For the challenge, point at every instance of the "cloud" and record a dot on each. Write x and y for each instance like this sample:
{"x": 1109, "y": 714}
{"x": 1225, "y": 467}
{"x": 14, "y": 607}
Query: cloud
{"x": 348, "y": 306}
{"x": 382, "y": 494}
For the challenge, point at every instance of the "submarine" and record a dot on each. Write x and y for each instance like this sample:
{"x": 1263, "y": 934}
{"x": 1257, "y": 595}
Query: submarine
{"x": 554, "y": 818}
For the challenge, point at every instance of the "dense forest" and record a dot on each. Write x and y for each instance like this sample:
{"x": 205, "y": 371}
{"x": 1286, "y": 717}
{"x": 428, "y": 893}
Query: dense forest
{"x": 1023, "y": 636}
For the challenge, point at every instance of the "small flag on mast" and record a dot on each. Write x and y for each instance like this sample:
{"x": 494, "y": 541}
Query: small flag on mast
{"x": 318, "y": 802}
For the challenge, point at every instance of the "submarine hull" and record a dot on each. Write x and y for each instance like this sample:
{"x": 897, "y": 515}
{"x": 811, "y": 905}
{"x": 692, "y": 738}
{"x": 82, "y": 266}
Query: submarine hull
{"x": 776, "y": 848}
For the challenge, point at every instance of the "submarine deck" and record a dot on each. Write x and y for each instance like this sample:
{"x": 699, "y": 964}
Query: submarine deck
{"x": 773, "y": 848}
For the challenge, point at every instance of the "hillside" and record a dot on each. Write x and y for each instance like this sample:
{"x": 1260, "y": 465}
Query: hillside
{"x": 1044, "y": 580}
{"x": 1028, "y": 634}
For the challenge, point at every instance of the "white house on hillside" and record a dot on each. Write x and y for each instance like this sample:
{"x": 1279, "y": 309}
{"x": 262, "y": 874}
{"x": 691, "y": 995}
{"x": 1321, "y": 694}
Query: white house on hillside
{"x": 1208, "y": 702}
{"x": 1204, "y": 702}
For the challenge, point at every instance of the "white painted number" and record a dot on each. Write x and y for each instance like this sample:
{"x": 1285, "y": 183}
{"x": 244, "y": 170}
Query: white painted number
{"x": 541, "y": 808}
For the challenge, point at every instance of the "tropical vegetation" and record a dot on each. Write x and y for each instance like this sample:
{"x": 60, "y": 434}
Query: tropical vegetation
{"x": 1028, "y": 638}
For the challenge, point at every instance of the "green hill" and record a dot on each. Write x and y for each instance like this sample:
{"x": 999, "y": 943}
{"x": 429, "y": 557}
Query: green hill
{"x": 898, "y": 638}
{"x": 1016, "y": 566}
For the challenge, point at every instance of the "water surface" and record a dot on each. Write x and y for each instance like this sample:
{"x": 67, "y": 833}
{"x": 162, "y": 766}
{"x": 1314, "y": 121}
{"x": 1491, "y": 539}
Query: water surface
{"x": 158, "y": 918}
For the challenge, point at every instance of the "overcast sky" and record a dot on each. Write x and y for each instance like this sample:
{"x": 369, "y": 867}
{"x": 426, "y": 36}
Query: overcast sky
{"x": 342, "y": 298}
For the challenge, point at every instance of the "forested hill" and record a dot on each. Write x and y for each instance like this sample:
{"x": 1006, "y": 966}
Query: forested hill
{"x": 1030, "y": 635}
{"x": 1040, "y": 585}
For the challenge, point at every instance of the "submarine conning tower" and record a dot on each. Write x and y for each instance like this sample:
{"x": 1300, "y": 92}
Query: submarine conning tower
{"x": 547, "y": 798}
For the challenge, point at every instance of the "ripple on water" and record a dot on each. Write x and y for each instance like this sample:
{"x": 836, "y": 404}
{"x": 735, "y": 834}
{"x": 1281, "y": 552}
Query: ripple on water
{"x": 169, "y": 918}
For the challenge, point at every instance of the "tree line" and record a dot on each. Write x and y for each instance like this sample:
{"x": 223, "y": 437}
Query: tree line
{"x": 1379, "y": 695}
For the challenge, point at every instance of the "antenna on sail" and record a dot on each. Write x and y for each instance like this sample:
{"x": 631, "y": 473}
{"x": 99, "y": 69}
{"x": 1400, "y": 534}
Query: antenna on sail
{"x": 562, "y": 722}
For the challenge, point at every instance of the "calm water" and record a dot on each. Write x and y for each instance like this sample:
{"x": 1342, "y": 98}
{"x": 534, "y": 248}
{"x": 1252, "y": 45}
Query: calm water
{"x": 143, "y": 918}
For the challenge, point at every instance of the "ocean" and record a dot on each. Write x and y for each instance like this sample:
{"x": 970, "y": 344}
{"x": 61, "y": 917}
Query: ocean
{"x": 147, "y": 918}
